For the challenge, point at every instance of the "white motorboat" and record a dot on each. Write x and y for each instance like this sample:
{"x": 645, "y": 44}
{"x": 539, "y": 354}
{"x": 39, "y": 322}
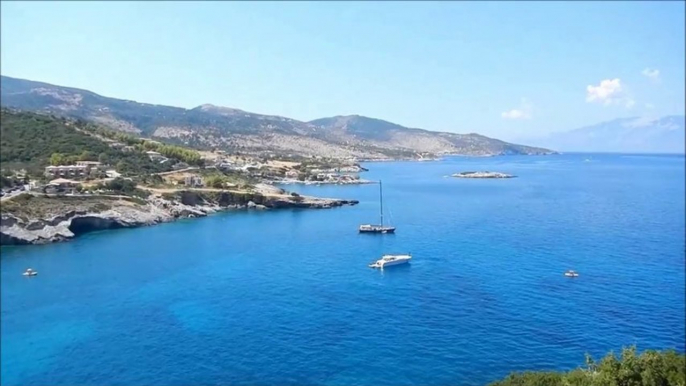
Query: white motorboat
{"x": 390, "y": 260}
{"x": 571, "y": 273}
{"x": 30, "y": 272}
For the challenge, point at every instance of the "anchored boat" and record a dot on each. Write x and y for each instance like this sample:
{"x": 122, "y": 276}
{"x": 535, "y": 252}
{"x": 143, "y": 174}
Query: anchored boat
{"x": 390, "y": 260}
{"x": 380, "y": 228}
{"x": 571, "y": 273}
{"x": 30, "y": 272}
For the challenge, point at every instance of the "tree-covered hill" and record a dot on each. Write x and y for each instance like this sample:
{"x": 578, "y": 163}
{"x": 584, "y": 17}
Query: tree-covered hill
{"x": 32, "y": 141}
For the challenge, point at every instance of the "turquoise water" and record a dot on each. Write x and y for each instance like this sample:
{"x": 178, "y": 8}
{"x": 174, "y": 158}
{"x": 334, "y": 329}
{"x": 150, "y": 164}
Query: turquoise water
{"x": 285, "y": 297}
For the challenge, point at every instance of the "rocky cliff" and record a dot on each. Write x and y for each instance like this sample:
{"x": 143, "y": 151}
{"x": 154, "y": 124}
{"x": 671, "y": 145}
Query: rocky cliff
{"x": 59, "y": 219}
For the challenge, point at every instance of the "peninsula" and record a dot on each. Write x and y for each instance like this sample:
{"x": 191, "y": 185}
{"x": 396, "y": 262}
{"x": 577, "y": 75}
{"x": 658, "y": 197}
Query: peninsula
{"x": 62, "y": 178}
{"x": 40, "y": 219}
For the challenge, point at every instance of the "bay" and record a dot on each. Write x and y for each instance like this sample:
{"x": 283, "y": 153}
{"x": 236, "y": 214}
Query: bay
{"x": 286, "y": 298}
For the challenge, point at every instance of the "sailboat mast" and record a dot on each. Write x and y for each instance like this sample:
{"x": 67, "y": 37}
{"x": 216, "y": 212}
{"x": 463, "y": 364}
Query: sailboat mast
{"x": 381, "y": 201}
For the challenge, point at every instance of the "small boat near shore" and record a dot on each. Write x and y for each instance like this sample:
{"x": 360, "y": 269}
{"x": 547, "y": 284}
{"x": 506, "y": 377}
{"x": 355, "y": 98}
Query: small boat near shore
{"x": 30, "y": 272}
{"x": 390, "y": 260}
{"x": 571, "y": 273}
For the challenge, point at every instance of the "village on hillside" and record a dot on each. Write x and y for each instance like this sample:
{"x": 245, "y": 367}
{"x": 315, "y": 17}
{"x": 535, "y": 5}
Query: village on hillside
{"x": 127, "y": 164}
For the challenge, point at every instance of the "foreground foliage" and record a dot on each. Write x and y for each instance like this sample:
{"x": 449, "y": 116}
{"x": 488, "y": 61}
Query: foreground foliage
{"x": 650, "y": 368}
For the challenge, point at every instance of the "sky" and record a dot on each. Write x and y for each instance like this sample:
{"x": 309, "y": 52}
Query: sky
{"x": 506, "y": 69}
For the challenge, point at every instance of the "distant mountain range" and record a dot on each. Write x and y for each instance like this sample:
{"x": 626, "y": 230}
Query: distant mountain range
{"x": 209, "y": 126}
{"x": 625, "y": 135}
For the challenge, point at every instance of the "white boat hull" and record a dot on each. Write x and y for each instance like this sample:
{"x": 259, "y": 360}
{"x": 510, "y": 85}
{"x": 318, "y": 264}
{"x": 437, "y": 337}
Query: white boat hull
{"x": 391, "y": 260}
{"x": 376, "y": 229}
{"x": 396, "y": 262}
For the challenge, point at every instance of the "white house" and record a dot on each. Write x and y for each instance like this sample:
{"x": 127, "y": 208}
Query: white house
{"x": 67, "y": 171}
{"x": 155, "y": 156}
{"x": 112, "y": 174}
{"x": 192, "y": 181}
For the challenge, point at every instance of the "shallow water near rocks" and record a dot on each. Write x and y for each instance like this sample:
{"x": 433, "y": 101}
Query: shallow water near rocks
{"x": 286, "y": 298}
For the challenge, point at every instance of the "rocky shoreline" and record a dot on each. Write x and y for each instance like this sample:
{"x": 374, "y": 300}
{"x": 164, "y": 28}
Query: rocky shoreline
{"x": 63, "y": 224}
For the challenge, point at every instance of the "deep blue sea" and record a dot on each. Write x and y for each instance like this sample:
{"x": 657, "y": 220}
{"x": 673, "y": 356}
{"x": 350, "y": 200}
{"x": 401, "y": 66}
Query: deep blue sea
{"x": 286, "y": 298}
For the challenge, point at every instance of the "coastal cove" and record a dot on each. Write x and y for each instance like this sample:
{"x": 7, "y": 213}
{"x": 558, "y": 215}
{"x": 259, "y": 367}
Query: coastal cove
{"x": 285, "y": 297}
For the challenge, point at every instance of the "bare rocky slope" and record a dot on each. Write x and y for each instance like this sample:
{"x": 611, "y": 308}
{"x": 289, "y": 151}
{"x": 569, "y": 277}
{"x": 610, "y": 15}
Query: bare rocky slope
{"x": 209, "y": 126}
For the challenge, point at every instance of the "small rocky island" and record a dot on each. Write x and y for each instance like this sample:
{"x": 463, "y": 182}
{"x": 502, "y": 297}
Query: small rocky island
{"x": 482, "y": 175}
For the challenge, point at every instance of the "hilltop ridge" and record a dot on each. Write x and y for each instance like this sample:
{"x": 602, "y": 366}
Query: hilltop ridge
{"x": 211, "y": 126}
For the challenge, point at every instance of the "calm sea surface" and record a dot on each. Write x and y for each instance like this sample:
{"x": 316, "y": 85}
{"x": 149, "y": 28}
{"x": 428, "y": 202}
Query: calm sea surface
{"x": 286, "y": 298}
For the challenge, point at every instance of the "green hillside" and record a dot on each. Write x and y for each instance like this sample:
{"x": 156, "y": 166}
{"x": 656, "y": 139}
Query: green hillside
{"x": 32, "y": 141}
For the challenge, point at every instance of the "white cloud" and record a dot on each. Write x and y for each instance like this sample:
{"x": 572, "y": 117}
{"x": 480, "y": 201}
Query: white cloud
{"x": 523, "y": 112}
{"x": 605, "y": 92}
{"x": 609, "y": 92}
{"x": 653, "y": 74}
{"x": 650, "y": 106}
{"x": 515, "y": 114}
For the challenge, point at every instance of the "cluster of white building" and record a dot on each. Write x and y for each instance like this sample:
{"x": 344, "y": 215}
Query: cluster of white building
{"x": 224, "y": 164}
{"x": 81, "y": 169}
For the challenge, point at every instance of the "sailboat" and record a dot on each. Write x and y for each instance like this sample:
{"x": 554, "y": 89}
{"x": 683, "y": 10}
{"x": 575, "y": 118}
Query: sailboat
{"x": 369, "y": 228}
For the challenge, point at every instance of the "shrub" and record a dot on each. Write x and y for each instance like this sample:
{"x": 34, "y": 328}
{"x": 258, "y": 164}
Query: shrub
{"x": 216, "y": 181}
{"x": 666, "y": 368}
{"x": 120, "y": 185}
